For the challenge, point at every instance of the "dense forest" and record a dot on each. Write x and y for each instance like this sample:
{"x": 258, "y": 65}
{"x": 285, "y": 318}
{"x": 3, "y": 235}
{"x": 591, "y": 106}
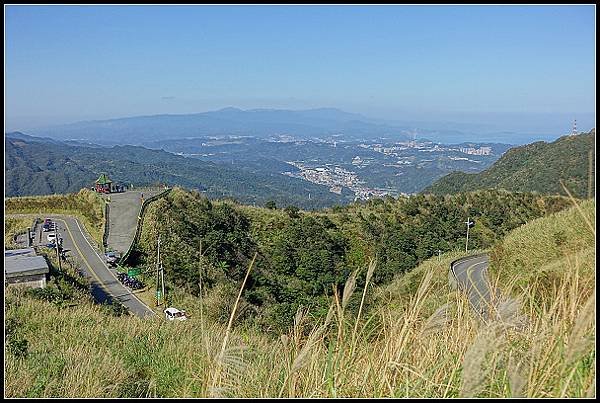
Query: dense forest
{"x": 538, "y": 167}
{"x": 304, "y": 257}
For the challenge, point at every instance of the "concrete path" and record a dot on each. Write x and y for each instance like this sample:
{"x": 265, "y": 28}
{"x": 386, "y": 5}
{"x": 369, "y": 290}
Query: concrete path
{"x": 124, "y": 209}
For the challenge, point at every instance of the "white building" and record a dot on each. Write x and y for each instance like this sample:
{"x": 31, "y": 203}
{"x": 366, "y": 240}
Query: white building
{"x": 25, "y": 268}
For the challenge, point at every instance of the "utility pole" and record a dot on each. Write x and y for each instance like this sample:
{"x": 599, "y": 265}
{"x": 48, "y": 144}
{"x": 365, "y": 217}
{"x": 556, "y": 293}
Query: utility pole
{"x": 469, "y": 225}
{"x": 201, "y": 271}
{"x": 56, "y": 247}
{"x": 162, "y": 280}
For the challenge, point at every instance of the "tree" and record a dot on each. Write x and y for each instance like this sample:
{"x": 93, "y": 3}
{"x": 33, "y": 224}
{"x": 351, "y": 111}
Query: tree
{"x": 292, "y": 211}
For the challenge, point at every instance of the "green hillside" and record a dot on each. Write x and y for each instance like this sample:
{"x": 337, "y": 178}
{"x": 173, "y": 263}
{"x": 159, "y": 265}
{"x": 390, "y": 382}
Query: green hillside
{"x": 303, "y": 256}
{"x": 537, "y": 167}
{"x": 416, "y": 337}
{"x": 36, "y": 166}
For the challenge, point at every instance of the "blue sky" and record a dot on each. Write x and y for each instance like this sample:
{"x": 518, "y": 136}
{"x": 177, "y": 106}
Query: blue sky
{"x": 518, "y": 68}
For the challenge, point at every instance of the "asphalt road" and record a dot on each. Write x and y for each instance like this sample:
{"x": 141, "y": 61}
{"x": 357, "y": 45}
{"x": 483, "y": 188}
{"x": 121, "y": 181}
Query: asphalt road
{"x": 123, "y": 216}
{"x": 471, "y": 275}
{"x": 105, "y": 285}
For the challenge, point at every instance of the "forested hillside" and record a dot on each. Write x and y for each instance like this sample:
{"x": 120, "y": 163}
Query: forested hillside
{"x": 537, "y": 167}
{"x": 303, "y": 256}
{"x": 36, "y": 166}
{"x": 415, "y": 336}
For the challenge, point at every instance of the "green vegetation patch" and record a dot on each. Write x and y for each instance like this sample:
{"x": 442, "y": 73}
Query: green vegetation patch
{"x": 303, "y": 258}
{"x": 537, "y": 167}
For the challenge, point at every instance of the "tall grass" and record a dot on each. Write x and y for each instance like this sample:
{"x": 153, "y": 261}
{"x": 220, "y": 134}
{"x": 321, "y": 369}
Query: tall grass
{"x": 418, "y": 338}
{"x": 14, "y": 226}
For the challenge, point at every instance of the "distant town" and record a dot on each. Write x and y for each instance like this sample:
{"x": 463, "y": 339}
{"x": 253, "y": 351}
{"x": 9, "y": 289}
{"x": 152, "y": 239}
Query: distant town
{"x": 399, "y": 155}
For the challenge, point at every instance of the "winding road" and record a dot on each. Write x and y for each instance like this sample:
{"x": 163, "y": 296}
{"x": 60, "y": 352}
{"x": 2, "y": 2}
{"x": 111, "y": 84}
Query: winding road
{"x": 105, "y": 285}
{"x": 471, "y": 275}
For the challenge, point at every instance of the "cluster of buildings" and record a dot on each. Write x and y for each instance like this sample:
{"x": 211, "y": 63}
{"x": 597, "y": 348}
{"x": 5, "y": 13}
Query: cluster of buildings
{"x": 329, "y": 175}
{"x": 425, "y": 146}
{"x": 476, "y": 151}
{"x": 336, "y": 178}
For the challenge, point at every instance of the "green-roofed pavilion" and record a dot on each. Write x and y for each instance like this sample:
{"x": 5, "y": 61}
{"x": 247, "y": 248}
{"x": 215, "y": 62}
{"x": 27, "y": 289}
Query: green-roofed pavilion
{"x": 103, "y": 184}
{"x": 103, "y": 180}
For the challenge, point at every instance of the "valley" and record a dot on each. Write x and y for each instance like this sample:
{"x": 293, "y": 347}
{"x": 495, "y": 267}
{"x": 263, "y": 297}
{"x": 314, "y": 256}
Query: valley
{"x": 363, "y": 168}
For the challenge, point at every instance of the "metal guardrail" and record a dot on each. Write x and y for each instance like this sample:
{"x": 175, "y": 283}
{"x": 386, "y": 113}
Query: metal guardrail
{"x": 138, "y": 228}
{"x": 106, "y": 224}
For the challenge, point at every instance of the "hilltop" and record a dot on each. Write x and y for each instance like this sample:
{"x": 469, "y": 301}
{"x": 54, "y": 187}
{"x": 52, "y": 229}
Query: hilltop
{"x": 302, "y": 255}
{"x": 537, "y": 167}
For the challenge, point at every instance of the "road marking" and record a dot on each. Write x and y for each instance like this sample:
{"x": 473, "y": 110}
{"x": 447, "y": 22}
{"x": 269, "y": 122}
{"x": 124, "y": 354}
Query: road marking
{"x": 102, "y": 285}
{"x": 469, "y": 271}
{"x": 92, "y": 270}
{"x": 470, "y": 268}
{"x": 111, "y": 273}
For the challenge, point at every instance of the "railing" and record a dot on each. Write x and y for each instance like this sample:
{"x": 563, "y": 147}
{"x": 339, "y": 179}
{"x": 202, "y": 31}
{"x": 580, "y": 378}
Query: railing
{"x": 106, "y": 224}
{"x": 138, "y": 228}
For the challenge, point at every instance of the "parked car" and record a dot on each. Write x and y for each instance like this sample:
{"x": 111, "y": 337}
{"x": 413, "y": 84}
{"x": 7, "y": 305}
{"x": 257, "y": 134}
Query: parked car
{"x": 175, "y": 314}
{"x": 111, "y": 258}
{"x": 52, "y": 237}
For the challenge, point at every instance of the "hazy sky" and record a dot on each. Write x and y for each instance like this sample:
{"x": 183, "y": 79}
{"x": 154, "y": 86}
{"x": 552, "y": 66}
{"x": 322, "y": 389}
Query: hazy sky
{"x": 501, "y": 65}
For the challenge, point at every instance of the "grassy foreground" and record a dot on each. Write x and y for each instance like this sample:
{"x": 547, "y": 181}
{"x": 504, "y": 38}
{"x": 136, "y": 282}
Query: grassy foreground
{"x": 417, "y": 337}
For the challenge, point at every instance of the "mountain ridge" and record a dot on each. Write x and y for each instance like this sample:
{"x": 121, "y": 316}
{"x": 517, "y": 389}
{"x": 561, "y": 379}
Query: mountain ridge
{"x": 230, "y": 120}
{"x": 35, "y": 167}
{"x": 538, "y": 167}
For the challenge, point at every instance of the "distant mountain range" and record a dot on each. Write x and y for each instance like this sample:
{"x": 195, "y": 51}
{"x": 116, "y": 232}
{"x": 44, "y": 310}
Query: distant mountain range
{"x": 264, "y": 123}
{"x": 304, "y": 124}
{"x": 538, "y": 167}
{"x": 37, "y": 166}
{"x": 227, "y": 121}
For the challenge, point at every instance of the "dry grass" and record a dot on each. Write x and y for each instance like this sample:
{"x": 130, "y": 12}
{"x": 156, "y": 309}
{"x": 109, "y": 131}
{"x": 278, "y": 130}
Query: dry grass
{"x": 85, "y": 205}
{"x": 419, "y": 339}
{"x": 14, "y": 226}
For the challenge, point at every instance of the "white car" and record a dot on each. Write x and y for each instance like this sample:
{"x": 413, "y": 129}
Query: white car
{"x": 52, "y": 237}
{"x": 174, "y": 314}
